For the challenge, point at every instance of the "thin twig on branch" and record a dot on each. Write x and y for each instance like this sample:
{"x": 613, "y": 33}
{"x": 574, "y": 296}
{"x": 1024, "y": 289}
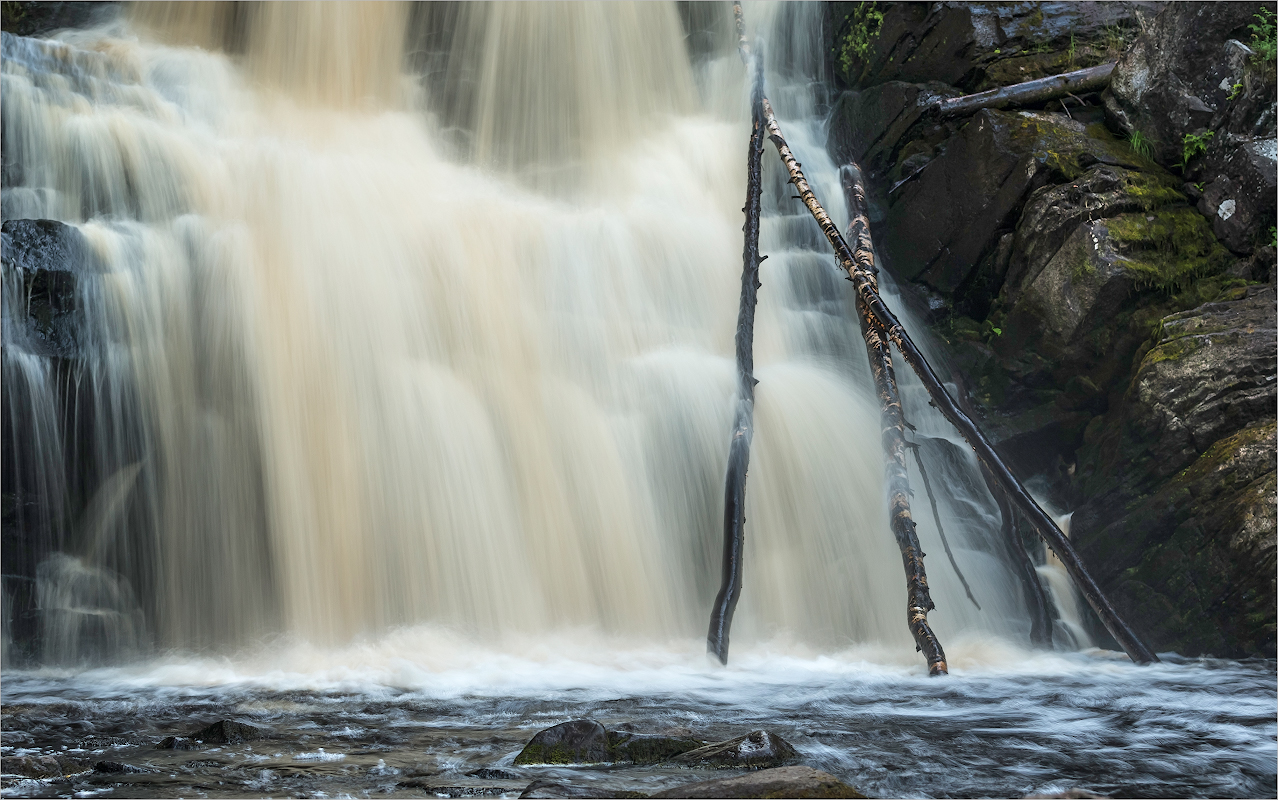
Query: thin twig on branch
{"x": 867, "y": 293}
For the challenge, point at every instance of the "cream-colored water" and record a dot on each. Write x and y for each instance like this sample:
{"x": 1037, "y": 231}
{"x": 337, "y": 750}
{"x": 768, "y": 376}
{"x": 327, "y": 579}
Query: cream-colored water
{"x": 382, "y": 350}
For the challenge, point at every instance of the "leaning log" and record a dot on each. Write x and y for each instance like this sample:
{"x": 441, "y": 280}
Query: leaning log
{"x": 1023, "y": 565}
{"x": 918, "y": 596}
{"x": 743, "y": 424}
{"x": 867, "y": 292}
{"x": 1028, "y": 93}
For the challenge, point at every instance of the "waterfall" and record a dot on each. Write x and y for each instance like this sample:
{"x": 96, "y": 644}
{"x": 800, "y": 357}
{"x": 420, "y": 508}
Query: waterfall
{"x": 384, "y": 329}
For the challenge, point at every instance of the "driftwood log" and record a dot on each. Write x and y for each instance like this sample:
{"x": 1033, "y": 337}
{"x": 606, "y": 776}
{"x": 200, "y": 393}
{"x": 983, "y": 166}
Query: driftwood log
{"x": 1022, "y": 565}
{"x": 918, "y": 597}
{"x": 743, "y": 424}
{"x": 867, "y": 293}
{"x": 1028, "y": 93}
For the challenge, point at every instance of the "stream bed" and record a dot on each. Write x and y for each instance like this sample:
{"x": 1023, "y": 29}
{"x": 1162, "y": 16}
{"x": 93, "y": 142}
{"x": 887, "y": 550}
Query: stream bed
{"x": 401, "y": 718}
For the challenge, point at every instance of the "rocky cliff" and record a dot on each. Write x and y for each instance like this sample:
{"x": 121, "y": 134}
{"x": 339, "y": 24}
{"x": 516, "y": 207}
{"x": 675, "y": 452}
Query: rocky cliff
{"x": 1101, "y": 269}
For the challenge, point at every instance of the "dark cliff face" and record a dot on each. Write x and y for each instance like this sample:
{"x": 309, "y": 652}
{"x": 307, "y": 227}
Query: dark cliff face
{"x": 1113, "y": 327}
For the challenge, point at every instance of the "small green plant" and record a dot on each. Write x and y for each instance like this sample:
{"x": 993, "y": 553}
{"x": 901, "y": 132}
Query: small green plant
{"x": 1273, "y": 236}
{"x": 1141, "y": 145}
{"x": 1071, "y": 49}
{"x": 866, "y": 21}
{"x": 1263, "y": 41}
{"x": 1193, "y": 144}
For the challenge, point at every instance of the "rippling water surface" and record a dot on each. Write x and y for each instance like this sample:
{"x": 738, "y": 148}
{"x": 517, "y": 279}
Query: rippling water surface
{"x": 412, "y": 714}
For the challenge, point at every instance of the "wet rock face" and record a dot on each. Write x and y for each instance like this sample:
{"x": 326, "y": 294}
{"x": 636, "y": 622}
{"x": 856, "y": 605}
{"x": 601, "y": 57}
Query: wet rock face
{"x": 1182, "y": 520}
{"x": 795, "y": 781}
{"x": 37, "y": 18}
{"x": 962, "y": 43}
{"x": 1191, "y": 74}
{"x": 44, "y": 261}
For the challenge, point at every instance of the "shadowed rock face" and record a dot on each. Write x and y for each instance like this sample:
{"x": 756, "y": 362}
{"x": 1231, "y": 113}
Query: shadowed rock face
{"x": 795, "y": 781}
{"x": 585, "y": 741}
{"x": 48, "y": 259}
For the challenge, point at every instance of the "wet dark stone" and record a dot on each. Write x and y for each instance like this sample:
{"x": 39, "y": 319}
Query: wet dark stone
{"x": 756, "y": 750}
{"x": 581, "y": 741}
{"x": 49, "y": 258}
{"x": 647, "y": 748}
{"x": 492, "y": 774}
{"x": 116, "y": 767}
{"x": 796, "y": 781}
{"x": 552, "y": 789}
{"x": 229, "y": 732}
{"x": 177, "y": 743}
{"x": 35, "y": 19}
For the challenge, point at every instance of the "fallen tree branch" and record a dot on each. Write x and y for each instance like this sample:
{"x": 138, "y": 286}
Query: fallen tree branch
{"x": 918, "y": 596}
{"x": 867, "y": 292}
{"x": 1035, "y": 595}
{"x": 1032, "y": 92}
{"x": 743, "y": 425}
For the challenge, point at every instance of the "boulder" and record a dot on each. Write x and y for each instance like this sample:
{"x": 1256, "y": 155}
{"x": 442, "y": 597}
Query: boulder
{"x": 796, "y": 781}
{"x": 647, "y": 748}
{"x": 228, "y": 731}
{"x": 581, "y": 741}
{"x": 586, "y": 741}
{"x": 941, "y": 223}
{"x": 756, "y": 750}
{"x": 116, "y": 768}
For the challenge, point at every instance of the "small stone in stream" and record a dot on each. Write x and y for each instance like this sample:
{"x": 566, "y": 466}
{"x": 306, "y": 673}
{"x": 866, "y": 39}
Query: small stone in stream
{"x": 462, "y": 791}
{"x": 581, "y": 741}
{"x": 644, "y": 748}
{"x": 491, "y": 774}
{"x": 797, "y": 781}
{"x": 228, "y": 732}
{"x": 32, "y": 766}
{"x": 177, "y": 743}
{"x": 115, "y": 767}
{"x": 551, "y": 789}
{"x": 756, "y": 750}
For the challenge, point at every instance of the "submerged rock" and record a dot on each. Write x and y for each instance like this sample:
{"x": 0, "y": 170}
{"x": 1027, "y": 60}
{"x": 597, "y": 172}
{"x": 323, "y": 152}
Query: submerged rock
{"x": 116, "y": 768}
{"x": 552, "y": 789}
{"x": 492, "y": 774}
{"x": 797, "y": 781}
{"x": 756, "y": 750}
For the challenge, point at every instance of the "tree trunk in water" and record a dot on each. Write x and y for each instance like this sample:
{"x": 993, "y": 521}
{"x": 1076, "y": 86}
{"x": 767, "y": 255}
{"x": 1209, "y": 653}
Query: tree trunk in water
{"x": 743, "y": 425}
{"x": 1035, "y": 595}
{"x": 918, "y": 597}
{"x": 1029, "y": 92}
{"x": 867, "y": 293}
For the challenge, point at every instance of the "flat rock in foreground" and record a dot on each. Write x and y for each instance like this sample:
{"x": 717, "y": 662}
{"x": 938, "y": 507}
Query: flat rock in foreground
{"x": 794, "y": 781}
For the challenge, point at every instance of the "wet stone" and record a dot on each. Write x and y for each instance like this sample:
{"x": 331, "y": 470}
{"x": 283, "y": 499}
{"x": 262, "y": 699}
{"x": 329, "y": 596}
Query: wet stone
{"x": 581, "y": 741}
{"x": 756, "y": 750}
{"x": 228, "y": 732}
{"x": 116, "y": 768}
{"x": 177, "y": 743}
{"x": 552, "y": 789}
{"x": 797, "y": 781}
{"x": 492, "y": 774}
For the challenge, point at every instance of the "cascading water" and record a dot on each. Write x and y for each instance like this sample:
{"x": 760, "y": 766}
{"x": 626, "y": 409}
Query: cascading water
{"x": 405, "y": 360}
{"x": 373, "y": 381}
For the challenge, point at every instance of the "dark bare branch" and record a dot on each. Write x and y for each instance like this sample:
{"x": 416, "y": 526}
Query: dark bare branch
{"x": 1028, "y": 93}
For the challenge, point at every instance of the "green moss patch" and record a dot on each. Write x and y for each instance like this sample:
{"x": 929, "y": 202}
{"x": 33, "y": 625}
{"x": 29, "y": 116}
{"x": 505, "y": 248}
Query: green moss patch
{"x": 1168, "y": 248}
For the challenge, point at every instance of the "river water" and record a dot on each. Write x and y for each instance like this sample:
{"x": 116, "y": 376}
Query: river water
{"x": 407, "y": 343}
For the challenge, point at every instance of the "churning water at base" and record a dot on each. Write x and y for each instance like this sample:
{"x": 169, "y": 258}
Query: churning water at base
{"x": 417, "y": 711}
{"x": 408, "y": 359}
